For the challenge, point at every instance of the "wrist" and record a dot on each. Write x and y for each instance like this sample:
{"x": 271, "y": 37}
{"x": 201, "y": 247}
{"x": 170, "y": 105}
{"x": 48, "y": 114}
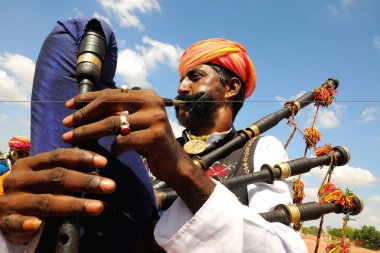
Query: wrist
{"x": 192, "y": 185}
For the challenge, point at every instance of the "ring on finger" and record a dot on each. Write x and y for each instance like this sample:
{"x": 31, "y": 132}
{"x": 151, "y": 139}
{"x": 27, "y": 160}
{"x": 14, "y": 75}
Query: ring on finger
{"x": 124, "y": 127}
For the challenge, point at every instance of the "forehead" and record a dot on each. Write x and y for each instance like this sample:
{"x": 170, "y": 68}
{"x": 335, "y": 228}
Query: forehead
{"x": 202, "y": 67}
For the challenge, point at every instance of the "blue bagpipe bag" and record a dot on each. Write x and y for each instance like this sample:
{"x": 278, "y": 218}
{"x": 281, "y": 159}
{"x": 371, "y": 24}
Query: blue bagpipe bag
{"x": 125, "y": 224}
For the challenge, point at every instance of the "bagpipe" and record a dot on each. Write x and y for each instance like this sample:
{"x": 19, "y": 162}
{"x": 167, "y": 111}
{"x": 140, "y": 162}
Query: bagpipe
{"x": 78, "y": 56}
{"x": 285, "y": 214}
{"x": 91, "y": 64}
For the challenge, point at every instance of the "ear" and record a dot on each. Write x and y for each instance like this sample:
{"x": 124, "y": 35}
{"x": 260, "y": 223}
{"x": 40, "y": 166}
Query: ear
{"x": 232, "y": 88}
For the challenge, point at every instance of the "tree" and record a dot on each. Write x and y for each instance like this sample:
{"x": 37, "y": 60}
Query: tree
{"x": 334, "y": 232}
{"x": 369, "y": 235}
{"x": 313, "y": 230}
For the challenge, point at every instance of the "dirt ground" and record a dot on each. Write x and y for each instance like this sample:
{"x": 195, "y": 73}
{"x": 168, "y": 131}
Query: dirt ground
{"x": 310, "y": 244}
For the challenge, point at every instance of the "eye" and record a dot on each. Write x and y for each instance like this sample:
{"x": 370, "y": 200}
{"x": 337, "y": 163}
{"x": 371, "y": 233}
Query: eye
{"x": 195, "y": 76}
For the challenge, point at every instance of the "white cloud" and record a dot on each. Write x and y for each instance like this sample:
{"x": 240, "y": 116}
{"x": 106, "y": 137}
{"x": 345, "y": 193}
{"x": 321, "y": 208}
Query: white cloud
{"x": 97, "y": 15}
{"x": 177, "y": 128}
{"x": 343, "y": 7}
{"x": 374, "y": 199}
{"x": 376, "y": 41}
{"x": 344, "y": 175}
{"x": 134, "y": 65}
{"x": 334, "y": 11}
{"x": 310, "y": 193}
{"x": 327, "y": 119}
{"x": 346, "y": 3}
{"x": 283, "y": 100}
{"x": 369, "y": 115}
{"x": 125, "y": 10}
{"x": 78, "y": 13}
{"x": 21, "y": 68}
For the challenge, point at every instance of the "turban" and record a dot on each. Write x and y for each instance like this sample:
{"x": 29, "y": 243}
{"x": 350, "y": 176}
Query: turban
{"x": 19, "y": 143}
{"x": 224, "y": 53}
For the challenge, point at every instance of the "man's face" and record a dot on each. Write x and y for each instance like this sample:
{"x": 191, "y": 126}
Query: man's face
{"x": 200, "y": 83}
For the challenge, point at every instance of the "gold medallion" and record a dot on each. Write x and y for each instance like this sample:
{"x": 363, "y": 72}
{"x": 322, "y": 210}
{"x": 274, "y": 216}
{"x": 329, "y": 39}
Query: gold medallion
{"x": 195, "y": 146}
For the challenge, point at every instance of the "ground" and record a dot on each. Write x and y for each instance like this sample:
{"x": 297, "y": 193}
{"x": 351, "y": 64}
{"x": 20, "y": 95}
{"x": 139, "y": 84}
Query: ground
{"x": 310, "y": 244}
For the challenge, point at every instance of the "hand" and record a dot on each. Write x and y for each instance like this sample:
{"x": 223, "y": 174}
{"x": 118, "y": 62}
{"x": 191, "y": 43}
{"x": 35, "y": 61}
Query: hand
{"x": 98, "y": 115}
{"x": 34, "y": 189}
{"x": 151, "y": 135}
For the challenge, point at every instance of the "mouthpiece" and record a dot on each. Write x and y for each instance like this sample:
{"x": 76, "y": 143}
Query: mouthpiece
{"x": 173, "y": 102}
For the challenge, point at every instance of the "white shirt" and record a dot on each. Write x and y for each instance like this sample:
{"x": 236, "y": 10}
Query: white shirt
{"x": 223, "y": 224}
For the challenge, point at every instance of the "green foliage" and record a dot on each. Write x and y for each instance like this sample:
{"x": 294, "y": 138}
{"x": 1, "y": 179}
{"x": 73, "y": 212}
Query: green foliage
{"x": 334, "y": 232}
{"x": 369, "y": 235}
{"x": 313, "y": 230}
{"x": 350, "y": 232}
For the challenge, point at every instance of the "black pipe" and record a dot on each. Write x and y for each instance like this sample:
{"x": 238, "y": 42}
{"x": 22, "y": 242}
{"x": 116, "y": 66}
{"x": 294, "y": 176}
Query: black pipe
{"x": 90, "y": 57}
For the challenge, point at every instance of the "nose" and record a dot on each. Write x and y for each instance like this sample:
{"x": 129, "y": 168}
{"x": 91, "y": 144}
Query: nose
{"x": 184, "y": 86}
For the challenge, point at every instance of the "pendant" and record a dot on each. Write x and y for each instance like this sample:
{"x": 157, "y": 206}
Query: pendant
{"x": 194, "y": 147}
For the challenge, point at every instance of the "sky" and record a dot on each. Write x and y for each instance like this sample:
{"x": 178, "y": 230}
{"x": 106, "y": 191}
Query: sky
{"x": 295, "y": 46}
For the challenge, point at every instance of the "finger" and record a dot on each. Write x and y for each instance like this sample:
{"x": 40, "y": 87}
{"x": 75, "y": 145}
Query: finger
{"x": 19, "y": 228}
{"x": 94, "y": 131}
{"x": 133, "y": 141}
{"x": 83, "y": 99}
{"x": 65, "y": 157}
{"x": 52, "y": 205}
{"x": 108, "y": 102}
{"x": 109, "y": 126}
{"x": 59, "y": 180}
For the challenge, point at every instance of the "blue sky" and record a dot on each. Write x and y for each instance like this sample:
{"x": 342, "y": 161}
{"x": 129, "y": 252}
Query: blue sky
{"x": 295, "y": 46}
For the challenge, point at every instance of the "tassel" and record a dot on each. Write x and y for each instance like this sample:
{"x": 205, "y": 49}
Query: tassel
{"x": 337, "y": 248}
{"x": 311, "y": 137}
{"x": 324, "y": 96}
{"x": 298, "y": 191}
{"x": 324, "y": 150}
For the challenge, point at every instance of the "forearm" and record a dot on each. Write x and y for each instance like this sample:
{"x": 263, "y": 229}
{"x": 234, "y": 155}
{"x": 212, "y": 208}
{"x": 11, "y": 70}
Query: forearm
{"x": 192, "y": 185}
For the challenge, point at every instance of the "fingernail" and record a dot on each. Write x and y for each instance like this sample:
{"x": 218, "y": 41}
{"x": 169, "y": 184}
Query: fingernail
{"x": 93, "y": 207}
{"x": 100, "y": 161}
{"x": 68, "y": 136}
{"x": 68, "y": 121}
{"x": 107, "y": 185}
{"x": 31, "y": 224}
{"x": 70, "y": 103}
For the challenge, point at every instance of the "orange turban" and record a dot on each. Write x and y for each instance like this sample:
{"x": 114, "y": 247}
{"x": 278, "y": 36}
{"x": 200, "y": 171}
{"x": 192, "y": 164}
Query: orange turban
{"x": 224, "y": 53}
{"x": 19, "y": 143}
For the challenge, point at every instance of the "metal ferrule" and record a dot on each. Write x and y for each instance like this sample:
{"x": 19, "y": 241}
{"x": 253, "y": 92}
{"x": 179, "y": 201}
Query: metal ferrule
{"x": 286, "y": 171}
{"x": 295, "y": 214}
{"x": 90, "y": 57}
{"x": 255, "y": 130}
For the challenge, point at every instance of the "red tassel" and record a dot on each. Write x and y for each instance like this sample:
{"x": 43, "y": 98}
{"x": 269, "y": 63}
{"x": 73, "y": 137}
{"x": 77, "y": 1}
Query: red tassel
{"x": 311, "y": 137}
{"x": 324, "y": 96}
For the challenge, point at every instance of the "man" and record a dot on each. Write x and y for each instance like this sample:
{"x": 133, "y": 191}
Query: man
{"x": 19, "y": 147}
{"x": 206, "y": 217}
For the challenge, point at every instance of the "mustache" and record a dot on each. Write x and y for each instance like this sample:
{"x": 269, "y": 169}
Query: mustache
{"x": 193, "y": 105}
{"x": 191, "y": 98}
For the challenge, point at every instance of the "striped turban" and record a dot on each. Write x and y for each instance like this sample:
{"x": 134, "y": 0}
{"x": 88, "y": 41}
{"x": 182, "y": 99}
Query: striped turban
{"x": 224, "y": 53}
{"x": 19, "y": 143}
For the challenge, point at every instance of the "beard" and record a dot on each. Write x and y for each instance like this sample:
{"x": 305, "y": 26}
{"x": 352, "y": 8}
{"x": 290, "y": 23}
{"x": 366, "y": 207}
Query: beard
{"x": 199, "y": 106}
